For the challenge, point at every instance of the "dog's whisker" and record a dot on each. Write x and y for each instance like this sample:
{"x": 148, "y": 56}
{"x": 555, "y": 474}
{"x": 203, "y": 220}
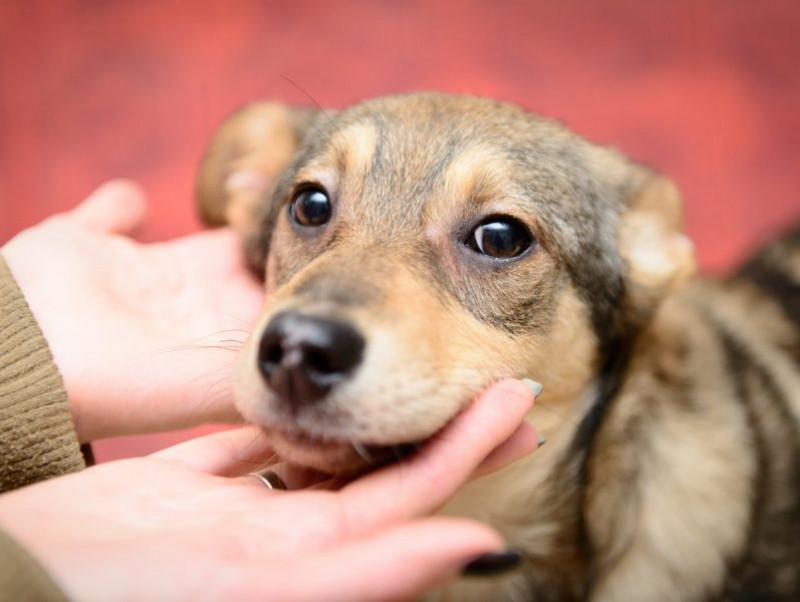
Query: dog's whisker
{"x": 253, "y": 463}
{"x": 217, "y": 393}
{"x": 192, "y": 348}
{"x": 198, "y": 344}
{"x": 319, "y": 107}
{"x": 242, "y": 330}
{"x": 245, "y": 325}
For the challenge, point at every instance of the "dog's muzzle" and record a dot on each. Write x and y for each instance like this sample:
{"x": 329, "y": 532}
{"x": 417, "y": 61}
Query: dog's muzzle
{"x": 303, "y": 357}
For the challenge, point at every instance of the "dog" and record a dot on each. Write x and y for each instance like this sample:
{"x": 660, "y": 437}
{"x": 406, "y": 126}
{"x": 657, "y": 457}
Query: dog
{"x": 417, "y": 248}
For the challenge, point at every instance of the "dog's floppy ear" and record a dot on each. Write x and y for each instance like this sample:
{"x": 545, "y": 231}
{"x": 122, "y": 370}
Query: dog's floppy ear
{"x": 658, "y": 255}
{"x": 245, "y": 157}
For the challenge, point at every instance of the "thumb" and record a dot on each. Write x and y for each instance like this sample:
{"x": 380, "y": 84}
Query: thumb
{"x": 117, "y": 207}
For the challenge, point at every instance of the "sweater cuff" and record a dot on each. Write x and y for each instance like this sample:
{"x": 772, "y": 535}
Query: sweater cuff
{"x": 37, "y": 437}
{"x": 22, "y": 578}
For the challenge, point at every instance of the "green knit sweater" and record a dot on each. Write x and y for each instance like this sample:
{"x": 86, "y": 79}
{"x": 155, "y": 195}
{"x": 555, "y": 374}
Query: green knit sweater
{"x": 37, "y": 438}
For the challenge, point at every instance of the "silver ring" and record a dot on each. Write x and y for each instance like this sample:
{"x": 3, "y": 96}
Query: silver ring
{"x": 270, "y": 478}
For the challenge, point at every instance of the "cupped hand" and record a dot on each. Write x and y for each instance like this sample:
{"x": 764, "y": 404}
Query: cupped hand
{"x": 184, "y": 524}
{"x": 144, "y": 334}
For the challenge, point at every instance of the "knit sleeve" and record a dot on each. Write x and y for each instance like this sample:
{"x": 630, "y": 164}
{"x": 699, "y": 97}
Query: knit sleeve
{"x": 37, "y": 437}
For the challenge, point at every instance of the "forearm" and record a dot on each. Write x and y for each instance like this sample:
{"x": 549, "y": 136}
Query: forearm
{"x": 37, "y": 438}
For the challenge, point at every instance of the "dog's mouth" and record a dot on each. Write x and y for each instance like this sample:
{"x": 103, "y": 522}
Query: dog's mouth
{"x": 337, "y": 457}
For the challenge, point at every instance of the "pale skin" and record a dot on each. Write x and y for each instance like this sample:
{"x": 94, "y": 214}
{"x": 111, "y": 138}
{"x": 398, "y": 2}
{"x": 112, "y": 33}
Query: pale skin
{"x": 144, "y": 335}
{"x": 180, "y": 525}
{"x": 129, "y": 325}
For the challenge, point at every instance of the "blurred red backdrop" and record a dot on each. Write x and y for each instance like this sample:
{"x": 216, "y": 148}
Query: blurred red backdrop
{"x": 707, "y": 91}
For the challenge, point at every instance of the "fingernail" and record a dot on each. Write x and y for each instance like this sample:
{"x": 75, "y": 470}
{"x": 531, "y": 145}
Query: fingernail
{"x": 494, "y": 563}
{"x": 541, "y": 440}
{"x": 535, "y": 387}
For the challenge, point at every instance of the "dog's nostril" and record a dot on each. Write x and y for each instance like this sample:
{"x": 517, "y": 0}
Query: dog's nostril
{"x": 320, "y": 361}
{"x": 270, "y": 353}
{"x": 335, "y": 351}
{"x": 302, "y": 357}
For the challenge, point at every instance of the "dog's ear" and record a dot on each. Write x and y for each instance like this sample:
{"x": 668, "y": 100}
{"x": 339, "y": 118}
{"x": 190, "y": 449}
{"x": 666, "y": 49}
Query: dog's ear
{"x": 659, "y": 257}
{"x": 245, "y": 157}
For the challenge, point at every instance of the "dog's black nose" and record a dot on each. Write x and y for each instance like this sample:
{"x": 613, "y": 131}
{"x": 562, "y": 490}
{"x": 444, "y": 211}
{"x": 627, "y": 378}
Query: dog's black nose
{"x": 303, "y": 357}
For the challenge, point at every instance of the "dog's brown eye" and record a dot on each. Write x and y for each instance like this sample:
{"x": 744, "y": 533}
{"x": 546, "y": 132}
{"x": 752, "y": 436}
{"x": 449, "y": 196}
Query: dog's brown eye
{"x": 501, "y": 238}
{"x": 310, "y": 207}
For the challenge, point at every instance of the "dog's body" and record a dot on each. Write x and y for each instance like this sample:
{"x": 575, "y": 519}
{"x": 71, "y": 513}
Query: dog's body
{"x": 418, "y": 248}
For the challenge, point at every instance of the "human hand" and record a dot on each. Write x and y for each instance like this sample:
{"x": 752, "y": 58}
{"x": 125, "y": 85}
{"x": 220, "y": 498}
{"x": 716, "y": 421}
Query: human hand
{"x": 183, "y": 524}
{"x": 144, "y": 335}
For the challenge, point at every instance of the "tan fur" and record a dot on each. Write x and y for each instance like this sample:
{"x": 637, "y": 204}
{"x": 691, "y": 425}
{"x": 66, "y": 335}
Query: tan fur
{"x": 475, "y": 174}
{"x": 356, "y": 147}
{"x": 654, "y": 500}
{"x": 688, "y": 507}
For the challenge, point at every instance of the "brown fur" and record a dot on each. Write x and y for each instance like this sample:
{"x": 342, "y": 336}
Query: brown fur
{"x": 671, "y": 405}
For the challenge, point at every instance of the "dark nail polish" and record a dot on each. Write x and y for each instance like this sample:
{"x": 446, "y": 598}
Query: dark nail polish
{"x": 494, "y": 563}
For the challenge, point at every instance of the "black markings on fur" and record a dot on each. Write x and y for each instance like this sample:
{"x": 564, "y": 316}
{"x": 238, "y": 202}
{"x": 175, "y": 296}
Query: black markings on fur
{"x": 768, "y": 569}
{"x": 257, "y": 244}
{"x": 610, "y": 380}
{"x": 765, "y": 271}
{"x": 602, "y": 286}
{"x": 737, "y": 366}
{"x": 777, "y": 284}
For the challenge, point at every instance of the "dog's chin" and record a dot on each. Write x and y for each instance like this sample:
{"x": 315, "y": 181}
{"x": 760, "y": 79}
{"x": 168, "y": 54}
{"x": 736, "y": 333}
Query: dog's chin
{"x": 332, "y": 456}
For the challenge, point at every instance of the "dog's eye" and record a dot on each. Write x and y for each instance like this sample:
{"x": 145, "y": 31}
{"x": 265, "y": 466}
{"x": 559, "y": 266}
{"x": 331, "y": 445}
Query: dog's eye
{"x": 310, "y": 207}
{"x": 500, "y": 237}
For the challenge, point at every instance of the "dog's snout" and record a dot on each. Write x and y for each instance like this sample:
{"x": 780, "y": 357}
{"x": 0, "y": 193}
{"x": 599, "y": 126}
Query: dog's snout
{"x": 302, "y": 357}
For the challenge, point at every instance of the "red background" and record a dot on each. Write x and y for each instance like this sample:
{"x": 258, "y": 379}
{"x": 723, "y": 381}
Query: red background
{"x": 706, "y": 91}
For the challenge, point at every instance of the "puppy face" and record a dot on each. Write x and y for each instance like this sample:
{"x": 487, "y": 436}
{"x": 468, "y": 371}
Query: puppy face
{"x": 416, "y": 249}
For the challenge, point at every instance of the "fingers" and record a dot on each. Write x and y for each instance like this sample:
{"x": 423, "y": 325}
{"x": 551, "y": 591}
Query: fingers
{"x": 522, "y": 442}
{"x": 402, "y": 562}
{"x": 117, "y": 207}
{"x": 237, "y": 452}
{"x": 486, "y": 436}
{"x": 228, "y": 453}
{"x": 429, "y": 478}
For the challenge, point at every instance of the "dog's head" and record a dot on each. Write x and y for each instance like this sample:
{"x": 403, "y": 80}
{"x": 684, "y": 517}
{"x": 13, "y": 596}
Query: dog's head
{"x": 417, "y": 248}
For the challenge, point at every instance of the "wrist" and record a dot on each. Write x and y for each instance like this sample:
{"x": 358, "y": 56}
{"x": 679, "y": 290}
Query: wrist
{"x": 44, "y": 444}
